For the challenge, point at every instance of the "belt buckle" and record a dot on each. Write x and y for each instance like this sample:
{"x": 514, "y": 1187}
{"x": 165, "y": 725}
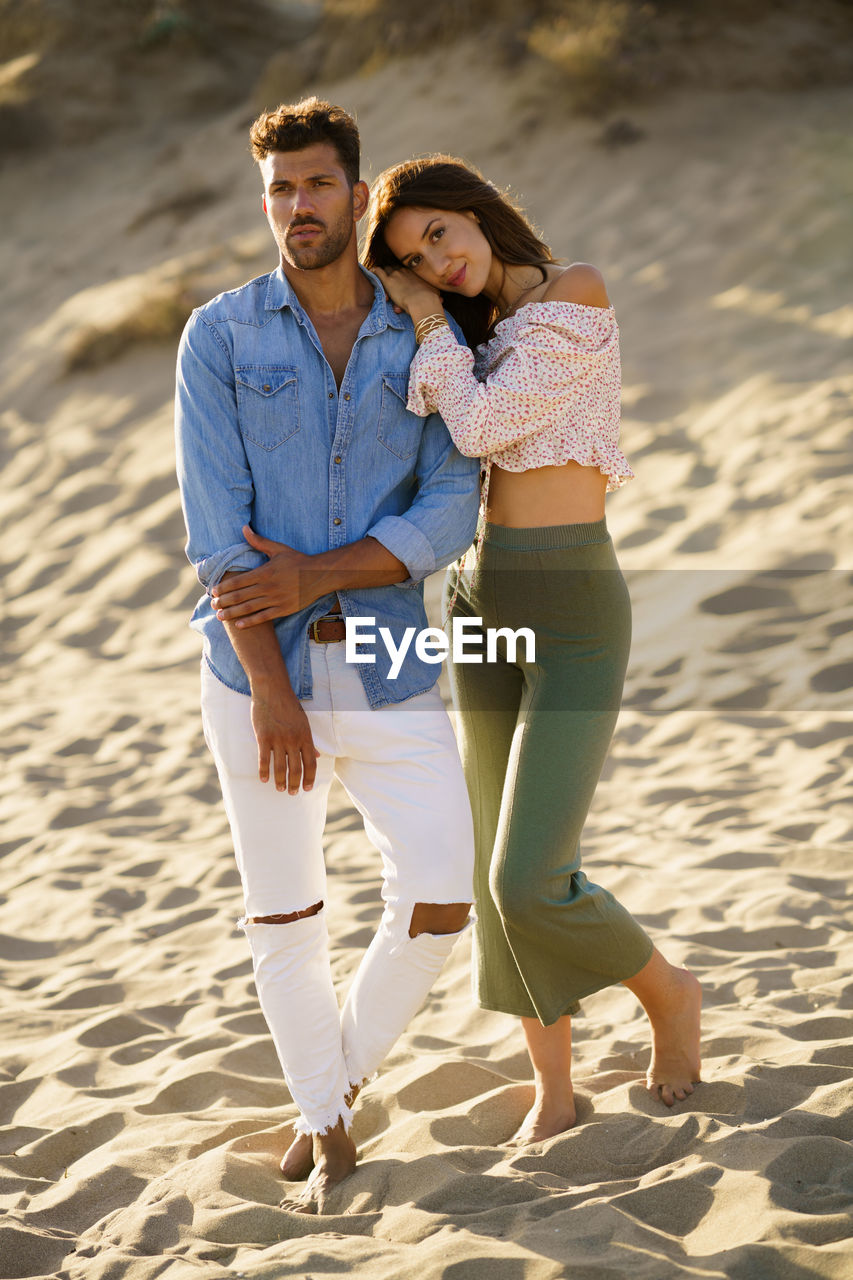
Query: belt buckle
{"x": 314, "y": 628}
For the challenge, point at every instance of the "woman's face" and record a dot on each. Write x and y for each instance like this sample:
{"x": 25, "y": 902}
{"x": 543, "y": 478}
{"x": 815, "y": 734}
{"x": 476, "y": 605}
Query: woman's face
{"x": 445, "y": 249}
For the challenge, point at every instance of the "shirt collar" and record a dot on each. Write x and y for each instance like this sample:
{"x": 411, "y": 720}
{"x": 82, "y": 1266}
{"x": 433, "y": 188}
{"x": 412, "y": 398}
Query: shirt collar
{"x": 280, "y": 294}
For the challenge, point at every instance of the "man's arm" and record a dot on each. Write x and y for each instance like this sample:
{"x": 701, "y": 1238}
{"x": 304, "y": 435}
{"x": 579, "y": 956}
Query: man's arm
{"x": 215, "y": 479}
{"x": 279, "y": 721}
{"x": 398, "y": 550}
{"x": 217, "y": 493}
{"x": 441, "y": 522}
{"x": 291, "y": 581}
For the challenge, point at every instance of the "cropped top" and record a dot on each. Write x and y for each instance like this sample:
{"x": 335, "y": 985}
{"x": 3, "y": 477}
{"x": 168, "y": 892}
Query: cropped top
{"x": 543, "y": 391}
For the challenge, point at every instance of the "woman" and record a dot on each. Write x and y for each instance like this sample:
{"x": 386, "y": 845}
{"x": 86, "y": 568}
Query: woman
{"x": 538, "y": 401}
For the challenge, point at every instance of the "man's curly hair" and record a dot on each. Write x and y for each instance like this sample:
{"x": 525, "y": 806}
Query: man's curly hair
{"x": 292, "y": 128}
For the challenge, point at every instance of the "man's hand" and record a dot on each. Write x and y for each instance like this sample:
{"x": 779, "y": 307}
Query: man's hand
{"x": 284, "y": 739}
{"x": 279, "y": 722}
{"x": 291, "y": 581}
{"x": 282, "y": 586}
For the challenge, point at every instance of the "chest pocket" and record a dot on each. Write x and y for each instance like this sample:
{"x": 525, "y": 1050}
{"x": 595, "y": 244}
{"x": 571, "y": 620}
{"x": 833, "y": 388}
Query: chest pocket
{"x": 267, "y": 403}
{"x": 399, "y": 430}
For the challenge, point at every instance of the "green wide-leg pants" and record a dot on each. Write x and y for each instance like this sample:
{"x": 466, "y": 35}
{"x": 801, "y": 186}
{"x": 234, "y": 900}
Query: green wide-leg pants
{"x": 534, "y": 734}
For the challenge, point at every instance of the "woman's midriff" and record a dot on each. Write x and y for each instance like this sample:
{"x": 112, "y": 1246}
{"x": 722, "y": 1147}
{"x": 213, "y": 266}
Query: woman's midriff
{"x": 570, "y": 494}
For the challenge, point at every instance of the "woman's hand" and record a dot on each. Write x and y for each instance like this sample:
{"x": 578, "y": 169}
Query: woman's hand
{"x": 410, "y": 293}
{"x": 282, "y": 586}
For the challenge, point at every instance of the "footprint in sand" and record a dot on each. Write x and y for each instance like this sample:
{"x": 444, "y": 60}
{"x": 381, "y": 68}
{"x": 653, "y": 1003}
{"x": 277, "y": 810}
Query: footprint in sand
{"x": 745, "y": 598}
{"x": 834, "y": 679}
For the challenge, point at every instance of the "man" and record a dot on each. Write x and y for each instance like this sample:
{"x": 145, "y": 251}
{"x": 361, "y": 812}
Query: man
{"x": 300, "y": 466}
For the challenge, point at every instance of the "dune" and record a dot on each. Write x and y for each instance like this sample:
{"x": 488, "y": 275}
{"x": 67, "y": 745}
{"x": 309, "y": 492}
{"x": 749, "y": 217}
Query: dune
{"x": 143, "y": 1109}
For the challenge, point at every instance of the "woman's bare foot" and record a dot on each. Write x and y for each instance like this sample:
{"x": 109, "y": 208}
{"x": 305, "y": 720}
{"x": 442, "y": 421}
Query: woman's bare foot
{"x": 334, "y": 1159}
{"x": 548, "y": 1116}
{"x": 672, "y": 999}
{"x": 675, "y": 1066}
{"x": 298, "y": 1159}
{"x": 553, "y": 1109}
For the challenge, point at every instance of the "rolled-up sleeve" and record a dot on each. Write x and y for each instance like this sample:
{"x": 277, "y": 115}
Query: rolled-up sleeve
{"x": 217, "y": 491}
{"x": 441, "y": 522}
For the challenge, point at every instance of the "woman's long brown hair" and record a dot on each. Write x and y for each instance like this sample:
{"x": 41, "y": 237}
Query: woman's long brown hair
{"x": 443, "y": 182}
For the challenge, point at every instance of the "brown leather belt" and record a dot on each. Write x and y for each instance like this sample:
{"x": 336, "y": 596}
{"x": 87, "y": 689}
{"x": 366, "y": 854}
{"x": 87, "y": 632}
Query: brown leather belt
{"x": 328, "y": 630}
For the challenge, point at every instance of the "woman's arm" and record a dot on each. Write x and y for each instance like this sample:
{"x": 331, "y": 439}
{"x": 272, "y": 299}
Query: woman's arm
{"x": 561, "y": 361}
{"x": 562, "y": 365}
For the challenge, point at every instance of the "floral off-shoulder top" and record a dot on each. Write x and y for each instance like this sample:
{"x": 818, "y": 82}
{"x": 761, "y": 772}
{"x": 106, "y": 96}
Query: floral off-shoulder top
{"x": 543, "y": 391}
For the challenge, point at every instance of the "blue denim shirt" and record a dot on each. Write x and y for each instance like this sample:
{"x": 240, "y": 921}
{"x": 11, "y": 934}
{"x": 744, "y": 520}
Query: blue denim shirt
{"x": 265, "y": 438}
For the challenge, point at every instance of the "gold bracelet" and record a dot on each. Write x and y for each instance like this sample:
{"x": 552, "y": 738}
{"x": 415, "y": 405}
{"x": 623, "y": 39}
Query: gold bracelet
{"x": 435, "y": 315}
{"x": 430, "y": 324}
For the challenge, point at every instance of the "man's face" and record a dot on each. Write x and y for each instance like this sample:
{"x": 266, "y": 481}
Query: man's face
{"x": 310, "y": 206}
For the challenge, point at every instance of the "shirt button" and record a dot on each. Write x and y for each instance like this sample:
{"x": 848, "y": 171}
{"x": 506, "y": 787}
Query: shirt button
{"x": 267, "y": 387}
{"x": 347, "y": 395}
{"x": 331, "y": 395}
{"x": 336, "y": 520}
{"x": 338, "y": 458}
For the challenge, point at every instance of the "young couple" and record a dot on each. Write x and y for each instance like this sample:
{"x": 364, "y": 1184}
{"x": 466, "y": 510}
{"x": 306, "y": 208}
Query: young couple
{"x": 330, "y": 444}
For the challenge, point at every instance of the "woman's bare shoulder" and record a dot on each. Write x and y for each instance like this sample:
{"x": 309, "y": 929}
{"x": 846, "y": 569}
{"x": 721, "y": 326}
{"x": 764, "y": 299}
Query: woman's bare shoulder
{"x": 578, "y": 283}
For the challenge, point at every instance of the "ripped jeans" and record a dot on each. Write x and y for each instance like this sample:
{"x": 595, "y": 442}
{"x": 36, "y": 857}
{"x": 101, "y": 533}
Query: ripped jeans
{"x": 400, "y": 767}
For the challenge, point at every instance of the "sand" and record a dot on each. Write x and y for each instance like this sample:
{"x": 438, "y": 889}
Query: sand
{"x": 143, "y": 1106}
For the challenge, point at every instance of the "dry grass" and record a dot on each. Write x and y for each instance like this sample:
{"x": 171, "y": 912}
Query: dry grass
{"x": 130, "y": 63}
{"x": 157, "y": 314}
{"x": 595, "y": 49}
{"x": 601, "y": 53}
{"x": 605, "y": 53}
{"x": 125, "y": 62}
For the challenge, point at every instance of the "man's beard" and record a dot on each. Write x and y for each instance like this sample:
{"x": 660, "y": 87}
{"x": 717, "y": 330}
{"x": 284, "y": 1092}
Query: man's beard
{"x": 327, "y": 248}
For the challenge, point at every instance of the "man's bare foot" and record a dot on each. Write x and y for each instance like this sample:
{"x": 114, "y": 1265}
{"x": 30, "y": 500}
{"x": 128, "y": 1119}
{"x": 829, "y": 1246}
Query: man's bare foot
{"x": 298, "y": 1159}
{"x": 675, "y": 1066}
{"x": 334, "y": 1159}
{"x": 548, "y": 1116}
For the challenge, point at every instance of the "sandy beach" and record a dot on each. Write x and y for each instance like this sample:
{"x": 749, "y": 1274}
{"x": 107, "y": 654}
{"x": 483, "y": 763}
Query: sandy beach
{"x": 142, "y": 1105}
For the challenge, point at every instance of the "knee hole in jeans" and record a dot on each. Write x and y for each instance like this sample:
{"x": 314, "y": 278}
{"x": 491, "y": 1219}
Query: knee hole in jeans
{"x": 438, "y": 917}
{"x": 286, "y": 917}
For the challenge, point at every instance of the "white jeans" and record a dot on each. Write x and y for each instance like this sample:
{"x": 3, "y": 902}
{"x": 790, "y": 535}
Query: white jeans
{"x": 401, "y": 768}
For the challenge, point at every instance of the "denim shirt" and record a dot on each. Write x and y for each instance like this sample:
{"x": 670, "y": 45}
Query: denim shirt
{"x": 265, "y": 438}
